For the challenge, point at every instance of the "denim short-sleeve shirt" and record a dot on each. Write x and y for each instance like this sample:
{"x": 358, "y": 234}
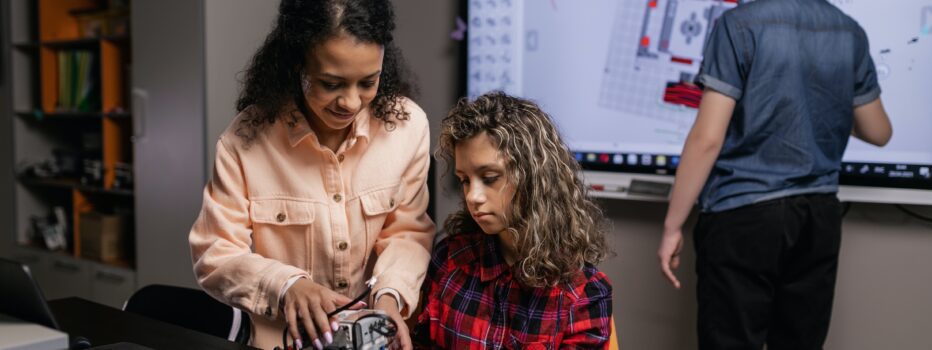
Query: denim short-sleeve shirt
{"x": 796, "y": 69}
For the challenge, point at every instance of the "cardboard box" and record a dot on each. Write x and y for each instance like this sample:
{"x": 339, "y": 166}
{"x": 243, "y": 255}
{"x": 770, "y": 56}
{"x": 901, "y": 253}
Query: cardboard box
{"x": 103, "y": 237}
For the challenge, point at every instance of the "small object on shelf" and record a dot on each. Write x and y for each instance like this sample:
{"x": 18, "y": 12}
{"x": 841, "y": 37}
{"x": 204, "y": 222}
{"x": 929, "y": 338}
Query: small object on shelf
{"x": 42, "y": 232}
{"x": 102, "y": 20}
{"x": 103, "y": 236}
{"x": 44, "y": 169}
{"x": 38, "y": 114}
{"x": 123, "y": 176}
{"x": 67, "y": 161}
{"x": 61, "y": 226}
{"x": 62, "y": 163}
{"x": 93, "y": 173}
{"x": 51, "y": 229}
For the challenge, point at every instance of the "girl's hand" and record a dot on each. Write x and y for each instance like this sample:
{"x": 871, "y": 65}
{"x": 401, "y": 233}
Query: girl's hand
{"x": 402, "y": 338}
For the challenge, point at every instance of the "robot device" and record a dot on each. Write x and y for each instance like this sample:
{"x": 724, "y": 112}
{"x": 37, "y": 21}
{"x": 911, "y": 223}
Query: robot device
{"x": 359, "y": 330}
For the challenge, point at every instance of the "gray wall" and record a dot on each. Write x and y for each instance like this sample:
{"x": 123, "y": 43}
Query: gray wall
{"x": 423, "y": 34}
{"x": 882, "y": 294}
{"x": 168, "y": 65}
{"x": 883, "y": 298}
{"x": 884, "y": 285}
{"x": 233, "y": 30}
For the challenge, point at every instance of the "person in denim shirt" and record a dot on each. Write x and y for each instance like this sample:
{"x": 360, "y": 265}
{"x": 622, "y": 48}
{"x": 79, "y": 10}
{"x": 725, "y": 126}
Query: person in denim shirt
{"x": 785, "y": 82}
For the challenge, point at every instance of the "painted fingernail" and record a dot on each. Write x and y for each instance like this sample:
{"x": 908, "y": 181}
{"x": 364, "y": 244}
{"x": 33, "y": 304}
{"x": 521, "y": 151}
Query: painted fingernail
{"x": 299, "y": 344}
{"x": 328, "y": 337}
{"x": 334, "y": 326}
{"x": 318, "y": 345}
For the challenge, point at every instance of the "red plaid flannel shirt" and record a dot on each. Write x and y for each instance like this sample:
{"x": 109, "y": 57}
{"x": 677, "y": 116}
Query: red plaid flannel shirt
{"x": 474, "y": 302}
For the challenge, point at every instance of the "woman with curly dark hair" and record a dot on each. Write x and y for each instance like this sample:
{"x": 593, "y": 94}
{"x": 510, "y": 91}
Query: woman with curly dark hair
{"x": 518, "y": 269}
{"x": 319, "y": 183}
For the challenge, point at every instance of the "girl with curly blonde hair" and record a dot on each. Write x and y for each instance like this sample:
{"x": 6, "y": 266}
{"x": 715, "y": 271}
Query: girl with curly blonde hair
{"x": 518, "y": 269}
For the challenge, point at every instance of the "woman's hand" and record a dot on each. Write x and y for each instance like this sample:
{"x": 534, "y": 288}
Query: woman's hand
{"x": 308, "y": 303}
{"x": 402, "y": 339}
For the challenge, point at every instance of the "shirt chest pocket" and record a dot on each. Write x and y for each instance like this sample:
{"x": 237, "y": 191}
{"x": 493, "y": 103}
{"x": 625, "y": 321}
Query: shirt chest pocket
{"x": 283, "y": 228}
{"x": 534, "y": 332}
{"x": 376, "y": 205}
{"x": 281, "y": 212}
{"x": 380, "y": 201}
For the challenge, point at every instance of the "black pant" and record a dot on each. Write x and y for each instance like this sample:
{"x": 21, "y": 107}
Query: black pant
{"x": 767, "y": 273}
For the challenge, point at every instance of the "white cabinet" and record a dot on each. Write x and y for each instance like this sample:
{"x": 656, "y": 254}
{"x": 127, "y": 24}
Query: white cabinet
{"x": 61, "y": 276}
{"x": 111, "y": 285}
{"x": 65, "y": 277}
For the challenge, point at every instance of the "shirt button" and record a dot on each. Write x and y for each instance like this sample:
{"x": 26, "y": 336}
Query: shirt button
{"x": 342, "y": 245}
{"x": 341, "y": 284}
{"x": 280, "y": 217}
{"x": 337, "y": 198}
{"x": 340, "y": 158}
{"x": 391, "y": 202}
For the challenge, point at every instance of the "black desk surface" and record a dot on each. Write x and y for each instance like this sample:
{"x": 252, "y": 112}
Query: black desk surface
{"x": 103, "y": 325}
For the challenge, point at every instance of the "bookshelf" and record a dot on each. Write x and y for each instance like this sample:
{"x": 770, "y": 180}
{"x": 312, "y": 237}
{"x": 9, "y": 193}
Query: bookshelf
{"x": 71, "y": 124}
{"x": 151, "y": 122}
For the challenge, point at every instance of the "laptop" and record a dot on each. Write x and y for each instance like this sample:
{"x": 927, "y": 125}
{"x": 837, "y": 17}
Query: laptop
{"x": 20, "y": 296}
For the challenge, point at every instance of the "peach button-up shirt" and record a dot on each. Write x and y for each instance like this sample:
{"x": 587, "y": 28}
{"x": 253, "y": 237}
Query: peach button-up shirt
{"x": 284, "y": 206}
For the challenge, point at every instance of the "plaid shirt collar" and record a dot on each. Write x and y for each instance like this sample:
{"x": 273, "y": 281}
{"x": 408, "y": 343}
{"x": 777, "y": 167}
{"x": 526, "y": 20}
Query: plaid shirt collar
{"x": 492, "y": 263}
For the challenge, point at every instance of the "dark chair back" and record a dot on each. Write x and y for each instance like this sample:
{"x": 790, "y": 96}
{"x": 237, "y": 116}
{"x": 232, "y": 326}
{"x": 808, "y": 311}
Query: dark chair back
{"x": 190, "y": 308}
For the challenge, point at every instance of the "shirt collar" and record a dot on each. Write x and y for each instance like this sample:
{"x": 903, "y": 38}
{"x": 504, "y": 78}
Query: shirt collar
{"x": 301, "y": 129}
{"x": 492, "y": 264}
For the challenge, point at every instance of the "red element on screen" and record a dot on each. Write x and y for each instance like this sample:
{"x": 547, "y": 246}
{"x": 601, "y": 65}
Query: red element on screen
{"x": 645, "y": 41}
{"x": 683, "y": 94}
{"x": 681, "y": 60}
